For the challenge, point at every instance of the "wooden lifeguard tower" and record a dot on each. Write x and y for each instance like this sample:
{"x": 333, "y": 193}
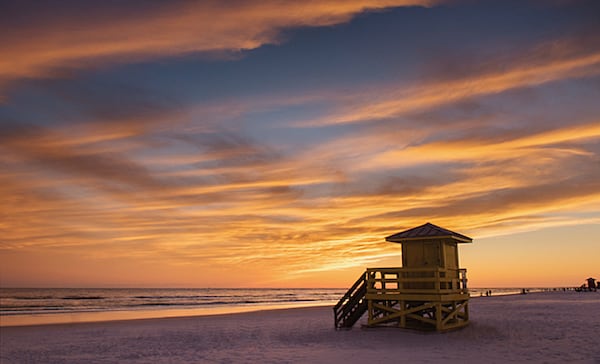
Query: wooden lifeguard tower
{"x": 429, "y": 291}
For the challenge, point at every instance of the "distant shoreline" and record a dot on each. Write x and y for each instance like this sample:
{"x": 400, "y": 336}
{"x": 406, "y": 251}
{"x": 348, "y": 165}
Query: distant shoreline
{"x": 160, "y": 312}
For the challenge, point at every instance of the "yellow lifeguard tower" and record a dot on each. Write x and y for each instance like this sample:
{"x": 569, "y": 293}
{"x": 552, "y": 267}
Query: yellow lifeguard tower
{"x": 429, "y": 291}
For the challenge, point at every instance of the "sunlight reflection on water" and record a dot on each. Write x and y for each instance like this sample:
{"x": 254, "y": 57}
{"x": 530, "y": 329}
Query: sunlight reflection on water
{"x": 81, "y": 317}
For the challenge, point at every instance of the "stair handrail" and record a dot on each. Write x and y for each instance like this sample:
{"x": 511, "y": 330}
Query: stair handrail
{"x": 349, "y": 298}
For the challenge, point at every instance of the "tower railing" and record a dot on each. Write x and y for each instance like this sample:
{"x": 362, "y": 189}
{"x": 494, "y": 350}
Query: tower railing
{"x": 395, "y": 281}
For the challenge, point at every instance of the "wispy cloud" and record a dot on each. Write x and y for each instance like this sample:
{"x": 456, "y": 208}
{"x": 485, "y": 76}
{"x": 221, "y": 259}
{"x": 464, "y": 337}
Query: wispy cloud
{"x": 51, "y": 43}
{"x": 272, "y": 220}
{"x": 202, "y": 190}
{"x": 464, "y": 150}
{"x": 271, "y": 183}
{"x": 548, "y": 64}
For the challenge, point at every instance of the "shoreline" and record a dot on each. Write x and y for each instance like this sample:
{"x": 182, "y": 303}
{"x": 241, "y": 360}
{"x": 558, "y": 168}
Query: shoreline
{"x": 77, "y": 317}
{"x": 69, "y": 318}
{"x": 552, "y": 327}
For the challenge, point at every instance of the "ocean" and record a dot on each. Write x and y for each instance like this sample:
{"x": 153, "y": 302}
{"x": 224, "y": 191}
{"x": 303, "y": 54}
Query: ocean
{"x": 60, "y": 305}
{"x": 29, "y": 306}
{"x": 16, "y": 301}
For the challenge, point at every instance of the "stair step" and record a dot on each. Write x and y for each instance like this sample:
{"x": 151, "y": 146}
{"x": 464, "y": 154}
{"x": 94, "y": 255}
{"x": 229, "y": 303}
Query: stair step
{"x": 352, "y": 306}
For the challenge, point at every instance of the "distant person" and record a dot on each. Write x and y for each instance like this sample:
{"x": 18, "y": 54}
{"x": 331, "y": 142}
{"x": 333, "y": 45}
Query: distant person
{"x": 591, "y": 284}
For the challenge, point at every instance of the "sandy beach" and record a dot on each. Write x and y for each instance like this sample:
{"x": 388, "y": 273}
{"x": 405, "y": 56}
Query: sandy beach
{"x": 554, "y": 327}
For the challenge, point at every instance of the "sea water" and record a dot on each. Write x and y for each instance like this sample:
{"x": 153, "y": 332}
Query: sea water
{"x": 27, "y": 306}
{"x": 31, "y": 306}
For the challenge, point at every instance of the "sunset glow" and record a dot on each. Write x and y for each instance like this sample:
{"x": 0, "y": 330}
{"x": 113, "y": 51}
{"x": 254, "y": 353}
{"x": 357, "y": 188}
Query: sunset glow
{"x": 276, "y": 143}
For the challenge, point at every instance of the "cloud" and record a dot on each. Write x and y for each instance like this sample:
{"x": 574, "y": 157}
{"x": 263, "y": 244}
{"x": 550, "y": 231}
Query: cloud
{"x": 559, "y": 60}
{"x": 223, "y": 198}
{"x": 269, "y": 215}
{"x": 53, "y": 151}
{"x": 50, "y": 42}
{"x": 111, "y": 171}
{"x": 464, "y": 150}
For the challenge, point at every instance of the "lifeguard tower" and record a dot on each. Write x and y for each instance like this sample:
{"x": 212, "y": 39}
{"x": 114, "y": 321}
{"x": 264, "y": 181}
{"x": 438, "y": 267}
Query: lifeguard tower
{"x": 429, "y": 291}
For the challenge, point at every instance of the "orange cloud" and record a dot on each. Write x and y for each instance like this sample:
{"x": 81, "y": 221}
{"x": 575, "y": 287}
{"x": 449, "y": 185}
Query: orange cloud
{"x": 387, "y": 101}
{"x": 486, "y": 150}
{"x": 233, "y": 202}
{"x": 218, "y": 201}
{"x": 54, "y": 43}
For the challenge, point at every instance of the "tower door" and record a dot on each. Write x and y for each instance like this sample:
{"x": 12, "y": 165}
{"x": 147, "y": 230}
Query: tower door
{"x": 451, "y": 256}
{"x": 431, "y": 254}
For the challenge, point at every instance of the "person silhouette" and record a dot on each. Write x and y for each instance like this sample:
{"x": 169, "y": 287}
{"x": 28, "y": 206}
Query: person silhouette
{"x": 591, "y": 284}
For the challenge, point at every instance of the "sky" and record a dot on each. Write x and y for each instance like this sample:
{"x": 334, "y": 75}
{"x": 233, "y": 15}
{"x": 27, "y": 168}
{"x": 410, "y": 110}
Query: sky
{"x": 277, "y": 143}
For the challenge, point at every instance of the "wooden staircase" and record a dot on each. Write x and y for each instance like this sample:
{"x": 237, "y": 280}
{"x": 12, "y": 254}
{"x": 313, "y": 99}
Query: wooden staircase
{"x": 353, "y": 305}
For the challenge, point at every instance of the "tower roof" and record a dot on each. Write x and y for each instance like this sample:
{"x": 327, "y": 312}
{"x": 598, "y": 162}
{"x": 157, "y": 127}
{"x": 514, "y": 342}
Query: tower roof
{"x": 427, "y": 231}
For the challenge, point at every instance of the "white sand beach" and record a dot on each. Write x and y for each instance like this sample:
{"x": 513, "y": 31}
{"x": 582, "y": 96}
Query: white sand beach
{"x": 550, "y": 327}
